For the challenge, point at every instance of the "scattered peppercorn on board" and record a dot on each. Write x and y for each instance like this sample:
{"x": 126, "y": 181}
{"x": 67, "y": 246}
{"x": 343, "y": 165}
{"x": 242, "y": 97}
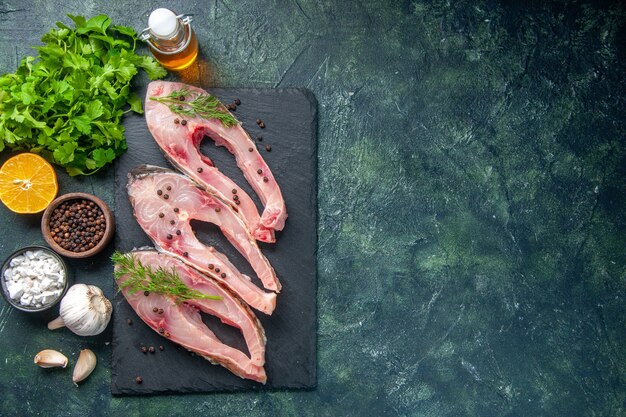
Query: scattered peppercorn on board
{"x": 283, "y": 124}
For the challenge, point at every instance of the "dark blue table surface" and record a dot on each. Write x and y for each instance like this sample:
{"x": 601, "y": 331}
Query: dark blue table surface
{"x": 471, "y": 206}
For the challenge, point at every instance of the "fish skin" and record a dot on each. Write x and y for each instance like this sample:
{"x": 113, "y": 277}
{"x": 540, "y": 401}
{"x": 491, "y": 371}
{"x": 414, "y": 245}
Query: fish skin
{"x": 185, "y": 155}
{"x": 195, "y": 203}
{"x": 182, "y": 323}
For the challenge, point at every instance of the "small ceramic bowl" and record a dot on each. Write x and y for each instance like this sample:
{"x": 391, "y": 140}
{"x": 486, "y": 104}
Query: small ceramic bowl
{"x": 15, "y": 303}
{"x": 108, "y": 232}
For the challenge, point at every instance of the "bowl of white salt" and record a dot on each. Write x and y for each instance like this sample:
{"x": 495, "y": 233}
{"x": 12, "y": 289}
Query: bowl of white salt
{"x": 34, "y": 279}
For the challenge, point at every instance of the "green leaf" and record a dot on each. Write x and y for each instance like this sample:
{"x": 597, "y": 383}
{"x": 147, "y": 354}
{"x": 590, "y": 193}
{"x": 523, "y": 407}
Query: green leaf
{"x": 125, "y": 30}
{"x": 65, "y": 153}
{"x": 103, "y": 156}
{"x": 79, "y": 21}
{"x": 51, "y": 50}
{"x": 10, "y": 137}
{"x": 75, "y": 61}
{"x": 125, "y": 71}
{"x": 94, "y": 109}
{"x": 26, "y": 95}
{"x": 99, "y": 23}
{"x": 32, "y": 122}
{"x": 152, "y": 68}
{"x": 90, "y": 164}
{"x": 82, "y": 123}
{"x": 74, "y": 171}
{"x": 17, "y": 116}
{"x": 135, "y": 103}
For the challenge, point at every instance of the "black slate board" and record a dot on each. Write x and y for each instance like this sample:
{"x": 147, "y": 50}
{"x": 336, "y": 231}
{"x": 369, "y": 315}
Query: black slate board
{"x": 291, "y": 119}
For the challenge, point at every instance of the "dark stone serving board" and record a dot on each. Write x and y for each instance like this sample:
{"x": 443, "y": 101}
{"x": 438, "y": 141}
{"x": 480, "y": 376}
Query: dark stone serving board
{"x": 290, "y": 116}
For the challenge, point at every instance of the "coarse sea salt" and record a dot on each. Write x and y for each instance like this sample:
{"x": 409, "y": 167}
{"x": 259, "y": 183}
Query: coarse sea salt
{"x": 34, "y": 278}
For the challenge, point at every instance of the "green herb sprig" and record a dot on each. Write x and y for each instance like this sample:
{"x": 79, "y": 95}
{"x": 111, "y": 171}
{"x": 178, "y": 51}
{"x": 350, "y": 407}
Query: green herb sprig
{"x": 67, "y": 102}
{"x": 160, "y": 281}
{"x": 185, "y": 103}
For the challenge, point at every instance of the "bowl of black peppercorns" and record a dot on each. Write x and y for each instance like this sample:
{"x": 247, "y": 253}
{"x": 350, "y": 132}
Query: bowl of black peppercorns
{"x": 77, "y": 225}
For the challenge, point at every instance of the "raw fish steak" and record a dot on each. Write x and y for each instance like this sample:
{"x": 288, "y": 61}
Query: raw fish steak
{"x": 164, "y": 202}
{"x": 179, "y": 137}
{"x": 181, "y": 322}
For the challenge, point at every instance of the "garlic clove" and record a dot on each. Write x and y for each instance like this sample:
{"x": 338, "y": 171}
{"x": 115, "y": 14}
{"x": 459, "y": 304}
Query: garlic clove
{"x": 49, "y": 358}
{"x": 84, "y": 366}
{"x": 56, "y": 323}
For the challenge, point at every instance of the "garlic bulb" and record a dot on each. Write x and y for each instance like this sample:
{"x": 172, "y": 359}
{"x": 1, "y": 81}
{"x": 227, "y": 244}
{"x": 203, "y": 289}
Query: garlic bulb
{"x": 84, "y": 310}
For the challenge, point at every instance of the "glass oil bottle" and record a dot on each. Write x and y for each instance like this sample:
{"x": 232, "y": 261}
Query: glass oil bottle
{"x": 171, "y": 38}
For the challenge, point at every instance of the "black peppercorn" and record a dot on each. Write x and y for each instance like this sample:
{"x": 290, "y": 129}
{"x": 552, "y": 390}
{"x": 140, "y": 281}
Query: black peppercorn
{"x": 183, "y": 122}
{"x": 72, "y": 225}
{"x": 199, "y": 170}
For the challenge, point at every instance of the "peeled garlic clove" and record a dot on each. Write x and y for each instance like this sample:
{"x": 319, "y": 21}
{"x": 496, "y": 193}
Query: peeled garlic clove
{"x": 84, "y": 366}
{"x": 49, "y": 358}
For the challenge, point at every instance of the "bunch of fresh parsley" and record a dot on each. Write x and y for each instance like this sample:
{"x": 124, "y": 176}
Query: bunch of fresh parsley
{"x": 66, "y": 104}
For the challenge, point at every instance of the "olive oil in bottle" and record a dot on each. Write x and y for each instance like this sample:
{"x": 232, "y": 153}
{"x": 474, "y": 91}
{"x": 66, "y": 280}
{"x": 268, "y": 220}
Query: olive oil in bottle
{"x": 171, "y": 38}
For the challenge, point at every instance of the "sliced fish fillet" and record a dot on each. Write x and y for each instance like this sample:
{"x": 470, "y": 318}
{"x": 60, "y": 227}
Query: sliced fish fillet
{"x": 182, "y": 323}
{"x": 164, "y": 202}
{"x": 181, "y": 145}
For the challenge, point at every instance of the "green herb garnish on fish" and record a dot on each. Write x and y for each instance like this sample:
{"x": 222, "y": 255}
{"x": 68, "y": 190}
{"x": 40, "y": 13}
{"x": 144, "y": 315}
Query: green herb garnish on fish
{"x": 140, "y": 277}
{"x": 185, "y": 103}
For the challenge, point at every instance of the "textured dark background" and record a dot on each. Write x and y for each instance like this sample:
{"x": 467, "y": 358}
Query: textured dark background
{"x": 471, "y": 199}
